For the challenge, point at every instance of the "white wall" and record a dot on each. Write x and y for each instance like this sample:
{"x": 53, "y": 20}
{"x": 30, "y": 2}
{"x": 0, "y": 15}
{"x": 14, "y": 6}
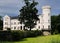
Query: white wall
{"x": 44, "y": 18}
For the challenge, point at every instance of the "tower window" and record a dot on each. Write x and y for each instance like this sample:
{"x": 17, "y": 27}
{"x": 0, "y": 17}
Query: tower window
{"x": 49, "y": 27}
{"x": 48, "y": 21}
{"x": 6, "y": 18}
{"x": 49, "y": 14}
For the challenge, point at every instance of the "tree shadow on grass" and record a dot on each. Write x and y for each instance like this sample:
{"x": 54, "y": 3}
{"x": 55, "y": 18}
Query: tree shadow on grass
{"x": 21, "y": 40}
{"x": 13, "y": 41}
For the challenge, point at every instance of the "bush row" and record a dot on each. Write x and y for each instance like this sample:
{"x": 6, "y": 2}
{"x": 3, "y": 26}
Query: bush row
{"x": 17, "y": 35}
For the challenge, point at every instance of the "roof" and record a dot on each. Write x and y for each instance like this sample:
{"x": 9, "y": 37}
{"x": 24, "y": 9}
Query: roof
{"x": 15, "y": 17}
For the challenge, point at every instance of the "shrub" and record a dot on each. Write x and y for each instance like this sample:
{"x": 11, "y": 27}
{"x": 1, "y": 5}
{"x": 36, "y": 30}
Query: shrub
{"x": 17, "y": 35}
{"x": 32, "y": 33}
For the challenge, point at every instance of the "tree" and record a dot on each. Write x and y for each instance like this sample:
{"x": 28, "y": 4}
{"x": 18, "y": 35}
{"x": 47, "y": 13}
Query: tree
{"x": 55, "y": 24}
{"x": 1, "y": 23}
{"x": 28, "y": 14}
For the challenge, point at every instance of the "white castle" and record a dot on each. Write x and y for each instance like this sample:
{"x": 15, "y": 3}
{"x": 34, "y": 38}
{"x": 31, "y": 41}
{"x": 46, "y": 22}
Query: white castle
{"x": 44, "y": 22}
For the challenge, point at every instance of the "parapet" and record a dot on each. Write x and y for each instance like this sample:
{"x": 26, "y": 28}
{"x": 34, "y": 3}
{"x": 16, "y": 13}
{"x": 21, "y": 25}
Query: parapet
{"x": 46, "y": 7}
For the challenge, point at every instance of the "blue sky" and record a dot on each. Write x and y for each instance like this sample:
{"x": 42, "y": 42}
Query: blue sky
{"x": 12, "y": 7}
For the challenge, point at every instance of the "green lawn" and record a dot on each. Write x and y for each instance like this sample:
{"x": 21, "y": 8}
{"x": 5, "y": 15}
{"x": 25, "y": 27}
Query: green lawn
{"x": 40, "y": 39}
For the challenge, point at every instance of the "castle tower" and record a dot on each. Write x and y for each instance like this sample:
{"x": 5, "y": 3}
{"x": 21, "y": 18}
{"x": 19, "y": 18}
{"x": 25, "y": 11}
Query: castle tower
{"x": 46, "y": 18}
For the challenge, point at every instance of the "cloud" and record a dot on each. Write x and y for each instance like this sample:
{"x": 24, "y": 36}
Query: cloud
{"x": 12, "y": 7}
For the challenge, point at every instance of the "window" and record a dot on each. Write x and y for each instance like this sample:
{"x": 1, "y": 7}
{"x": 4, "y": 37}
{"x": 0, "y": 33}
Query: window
{"x": 39, "y": 21}
{"x": 14, "y": 27}
{"x": 5, "y": 27}
{"x": 49, "y": 27}
{"x": 14, "y": 22}
{"x": 6, "y": 23}
{"x": 39, "y": 27}
{"x": 48, "y": 21}
{"x": 43, "y": 27}
{"x": 18, "y": 28}
{"x": 21, "y": 27}
{"x": 24, "y": 27}
{"x": 18, "y": 22}
{"x": 6, "y": 18}
{"x": 49, "y": 14}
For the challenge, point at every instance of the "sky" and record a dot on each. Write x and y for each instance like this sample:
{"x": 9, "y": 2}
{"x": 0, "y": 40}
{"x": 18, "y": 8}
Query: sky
{"x": 12, "y": 7}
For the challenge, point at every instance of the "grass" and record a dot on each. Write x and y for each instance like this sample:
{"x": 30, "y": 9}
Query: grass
{"x": 40, "y": 39}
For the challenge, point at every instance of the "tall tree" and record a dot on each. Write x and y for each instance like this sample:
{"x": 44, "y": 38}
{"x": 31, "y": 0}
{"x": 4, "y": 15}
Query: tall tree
{"x": 28, "y": 14}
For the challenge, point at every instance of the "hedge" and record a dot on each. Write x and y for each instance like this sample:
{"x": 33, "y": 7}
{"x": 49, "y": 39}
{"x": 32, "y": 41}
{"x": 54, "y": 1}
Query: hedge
{"x": 18, "y": 35}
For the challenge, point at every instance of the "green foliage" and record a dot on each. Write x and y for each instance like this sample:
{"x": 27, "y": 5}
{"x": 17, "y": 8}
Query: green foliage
{"x": 33, "y": 33}
{"x": 17, "y": 35}
{"x": 9, "y": 29}
{"x": 28, "y": 14}
{"x": 1, "y": 23}
{"x": 39, "y": 39}
{"x": 55, "y": 24}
